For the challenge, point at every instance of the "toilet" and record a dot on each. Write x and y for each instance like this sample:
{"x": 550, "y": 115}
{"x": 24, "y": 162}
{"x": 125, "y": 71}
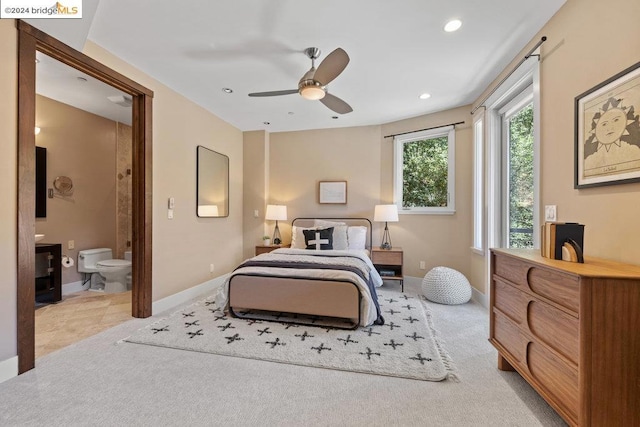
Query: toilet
{"x": 99, "y": 262}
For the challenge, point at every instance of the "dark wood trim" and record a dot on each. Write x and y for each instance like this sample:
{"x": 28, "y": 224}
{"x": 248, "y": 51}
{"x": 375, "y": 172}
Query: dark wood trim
{"x": 142, "y": 202}
{"x": 31, "y": 40}
{"x": 64, "y": 53}
{"x": 26, "y": 215}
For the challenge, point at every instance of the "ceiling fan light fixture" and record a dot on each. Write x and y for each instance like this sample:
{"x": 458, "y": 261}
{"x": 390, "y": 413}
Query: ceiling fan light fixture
{"x": 425, "y": 96}
{"x": 312, "y": 93}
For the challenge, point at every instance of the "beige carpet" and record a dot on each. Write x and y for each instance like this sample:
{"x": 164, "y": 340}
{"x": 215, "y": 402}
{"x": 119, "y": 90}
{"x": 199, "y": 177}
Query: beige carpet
{"x": 97, "y": 382}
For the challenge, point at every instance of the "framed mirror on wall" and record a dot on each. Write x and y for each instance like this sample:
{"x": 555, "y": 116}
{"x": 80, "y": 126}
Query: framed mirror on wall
{"x": 212, "y": 184}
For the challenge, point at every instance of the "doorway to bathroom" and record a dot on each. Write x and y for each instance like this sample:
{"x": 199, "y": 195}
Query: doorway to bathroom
{"x": 31, "y": 41}
{"x": 85, "y": 134}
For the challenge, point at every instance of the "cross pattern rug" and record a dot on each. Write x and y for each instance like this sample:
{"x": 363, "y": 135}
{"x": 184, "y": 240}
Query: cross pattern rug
{"x": 405, "y": 346}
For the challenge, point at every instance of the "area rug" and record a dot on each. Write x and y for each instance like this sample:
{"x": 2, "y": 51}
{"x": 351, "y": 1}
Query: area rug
{"x": 405, "y": 346}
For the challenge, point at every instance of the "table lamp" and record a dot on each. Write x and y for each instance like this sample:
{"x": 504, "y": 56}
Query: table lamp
{"x": 386, "y": 214}
{"x": 276, "y": 212}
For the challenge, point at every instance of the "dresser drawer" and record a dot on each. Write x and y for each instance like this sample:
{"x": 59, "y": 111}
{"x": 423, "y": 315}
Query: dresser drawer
{"x": 555, "y": 328}
{"x": 507, "y": 334}
{"x": 556, "y": 377}
{"x": 511, "y": 301}
{"x": 386, "y": 257}
{"x": 562, "y": 289}
{"x": 548, "y": 324}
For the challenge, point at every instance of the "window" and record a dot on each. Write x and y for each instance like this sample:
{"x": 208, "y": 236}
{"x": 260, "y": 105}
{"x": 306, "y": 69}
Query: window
{"x": 424, "y": 179}
{"x": 518, "y": 175}
{"x": 478, "y": 185}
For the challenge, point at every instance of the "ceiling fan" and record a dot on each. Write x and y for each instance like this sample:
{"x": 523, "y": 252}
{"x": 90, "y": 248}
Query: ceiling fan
{"x": 313, "y": 85}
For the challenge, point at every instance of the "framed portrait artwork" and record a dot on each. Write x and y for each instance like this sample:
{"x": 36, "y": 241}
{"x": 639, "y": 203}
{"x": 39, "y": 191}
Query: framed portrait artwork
{"x": 607, "y": 133}
{"x": 332, "y": 192}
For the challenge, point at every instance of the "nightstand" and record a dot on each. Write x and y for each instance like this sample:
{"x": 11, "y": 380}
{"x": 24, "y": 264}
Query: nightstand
{"x": 266, "y": 249}
{"x": 389, "y": 262}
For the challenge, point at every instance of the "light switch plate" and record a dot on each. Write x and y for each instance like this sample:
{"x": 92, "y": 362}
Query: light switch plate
{"x": 172, "y": 202}
{"x": 550, "y": 213}
{"x": 170, "y": 214}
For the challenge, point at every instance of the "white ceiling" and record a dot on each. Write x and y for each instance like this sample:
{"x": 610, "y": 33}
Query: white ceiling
{"x": 398, "y": 50}
{"x": 65, "y": 84}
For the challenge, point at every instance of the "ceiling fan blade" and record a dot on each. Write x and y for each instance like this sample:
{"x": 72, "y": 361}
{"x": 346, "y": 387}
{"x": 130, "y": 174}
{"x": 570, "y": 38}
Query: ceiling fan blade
{"x": 331, "y": 66}
{"x": 336, "y": 104}
{"x": 275, "y": 93}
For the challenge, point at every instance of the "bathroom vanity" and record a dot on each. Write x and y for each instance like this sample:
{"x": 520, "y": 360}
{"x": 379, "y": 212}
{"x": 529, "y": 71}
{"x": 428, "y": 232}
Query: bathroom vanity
{"x": 48, "y": 277}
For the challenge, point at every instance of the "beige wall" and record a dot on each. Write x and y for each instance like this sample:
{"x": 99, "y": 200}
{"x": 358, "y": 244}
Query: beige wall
{"x": 364, "y": 158}
{"x": 299, "y": 160}
{"x": 571, "y": 66}
{"x": 435, "y": 239}
{"x": 588, "y": 42}
{"x": 255, "y": 152}
{"x": 82, "y": 146}
{"x": 184, "y": 247}
{"x": 8, "y": 187}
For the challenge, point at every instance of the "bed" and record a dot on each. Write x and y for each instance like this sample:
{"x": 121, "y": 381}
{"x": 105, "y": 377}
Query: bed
{"x": 331, "y": 284}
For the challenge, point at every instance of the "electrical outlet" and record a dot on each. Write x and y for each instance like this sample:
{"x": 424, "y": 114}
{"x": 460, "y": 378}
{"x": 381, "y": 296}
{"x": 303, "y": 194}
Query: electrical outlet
{"x": 256, "y": 214}
{"x": 550, "y": 213}
{"x": 71, "y": 244}
{"x": 212, "y": 267}
{"x": 423, "y": 265}
{"x": 170, "y": 214}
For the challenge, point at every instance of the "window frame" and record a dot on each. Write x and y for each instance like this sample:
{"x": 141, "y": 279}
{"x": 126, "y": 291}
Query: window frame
{"x": 398, "y": 145}
{"x": 478, "y": 186}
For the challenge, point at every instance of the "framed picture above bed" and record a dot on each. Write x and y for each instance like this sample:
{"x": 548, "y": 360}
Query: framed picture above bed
{"x": 332, "y": 192}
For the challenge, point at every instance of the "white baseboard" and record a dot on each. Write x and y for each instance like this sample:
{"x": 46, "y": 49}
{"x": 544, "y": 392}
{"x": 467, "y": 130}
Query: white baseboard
{"x": 186, "y": 295}
{"x": 479, "y": 297}
{"x": 70, "y": 288}
{"x": 8, "y": 369}
{"x": 415, "y": 284}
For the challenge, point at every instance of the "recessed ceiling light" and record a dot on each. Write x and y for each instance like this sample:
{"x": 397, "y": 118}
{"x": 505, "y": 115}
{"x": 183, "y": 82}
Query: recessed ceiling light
{"x": 81, "y": 79}
{"x": 266, "y": 123}
{"x": 453, "y": 25}
{"x": 425, "y": 96}
{"x": 227, "y": 90}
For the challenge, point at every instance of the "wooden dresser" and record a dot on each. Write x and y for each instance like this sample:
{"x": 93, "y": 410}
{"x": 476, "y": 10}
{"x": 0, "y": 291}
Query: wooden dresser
{"x": 572, "y": 331}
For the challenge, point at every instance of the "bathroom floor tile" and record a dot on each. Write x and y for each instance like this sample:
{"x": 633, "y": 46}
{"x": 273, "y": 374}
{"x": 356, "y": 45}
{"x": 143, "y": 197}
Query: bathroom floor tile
{"x": 78, "y": 316}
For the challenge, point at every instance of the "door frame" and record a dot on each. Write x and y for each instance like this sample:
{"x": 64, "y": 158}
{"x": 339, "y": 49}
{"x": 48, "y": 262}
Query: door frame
{"x": 30, "y": 40}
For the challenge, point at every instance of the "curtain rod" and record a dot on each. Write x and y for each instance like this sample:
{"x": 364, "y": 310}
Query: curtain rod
{"x": 527, "y": 56}
{"x": 420, "y": 130}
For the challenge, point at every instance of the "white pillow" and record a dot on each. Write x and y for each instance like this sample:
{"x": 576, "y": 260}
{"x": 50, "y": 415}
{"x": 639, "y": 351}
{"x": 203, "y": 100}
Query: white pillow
{"x": 297, "y": 237}
{"x": 357, "y": 237}
{"x": 340, "y": 239}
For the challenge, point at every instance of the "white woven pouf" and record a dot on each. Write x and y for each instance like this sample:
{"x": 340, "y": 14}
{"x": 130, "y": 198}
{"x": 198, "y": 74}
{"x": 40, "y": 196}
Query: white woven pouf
{"x": 445, "y": 285}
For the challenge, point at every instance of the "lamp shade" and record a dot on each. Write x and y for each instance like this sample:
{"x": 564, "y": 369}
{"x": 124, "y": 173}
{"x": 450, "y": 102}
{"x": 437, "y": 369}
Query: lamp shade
{"x": 207, "y": 210}
{"x": 386, "y": 213}
{"x": 276, "y": 212}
